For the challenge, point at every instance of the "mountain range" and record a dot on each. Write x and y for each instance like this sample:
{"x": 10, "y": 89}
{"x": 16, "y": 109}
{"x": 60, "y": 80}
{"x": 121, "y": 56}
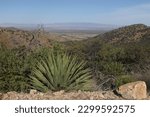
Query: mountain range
{"x": 63, "y": 26}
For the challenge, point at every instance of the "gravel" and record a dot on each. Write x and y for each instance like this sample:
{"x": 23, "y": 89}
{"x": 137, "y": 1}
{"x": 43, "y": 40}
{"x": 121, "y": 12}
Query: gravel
{"x": 60, "y": 95}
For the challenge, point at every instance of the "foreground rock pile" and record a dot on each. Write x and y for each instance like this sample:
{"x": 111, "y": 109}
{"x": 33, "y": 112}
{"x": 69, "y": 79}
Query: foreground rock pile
{"x": 135, "y": 90}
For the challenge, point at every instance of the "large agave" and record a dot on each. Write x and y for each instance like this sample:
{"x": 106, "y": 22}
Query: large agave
{"x": 60, "y": 72}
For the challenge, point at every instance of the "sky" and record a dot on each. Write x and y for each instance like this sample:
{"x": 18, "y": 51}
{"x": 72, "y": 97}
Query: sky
{"x": 116, "y": 12}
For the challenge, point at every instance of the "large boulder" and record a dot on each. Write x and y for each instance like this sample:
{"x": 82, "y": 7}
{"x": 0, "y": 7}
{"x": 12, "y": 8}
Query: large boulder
{"x": 134, "y": 90}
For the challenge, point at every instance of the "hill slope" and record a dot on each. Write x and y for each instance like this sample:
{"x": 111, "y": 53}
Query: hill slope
{"x": 13, "y": 37}
{"x": 132, "y": 33}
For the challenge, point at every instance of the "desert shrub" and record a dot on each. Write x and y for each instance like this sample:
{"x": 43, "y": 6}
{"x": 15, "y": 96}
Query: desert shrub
{"x": 57, "y": 47}
{"x": 123, "y": 79}
{"x": 110, "y": 52}
{"x": 113, "y": 68}
{"x": 136, "y": 58}
{"x": 12, "y": 71}
{"x": 108, "y": 60}
{"x": 74, "y": 48}
{"x": 16, "y": 65}
{"x": 60, "y": 72}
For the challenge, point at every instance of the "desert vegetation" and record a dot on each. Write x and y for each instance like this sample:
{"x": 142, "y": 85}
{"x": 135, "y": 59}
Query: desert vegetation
{"x": 58, "y": 72}
{"x": 98, "y": 63}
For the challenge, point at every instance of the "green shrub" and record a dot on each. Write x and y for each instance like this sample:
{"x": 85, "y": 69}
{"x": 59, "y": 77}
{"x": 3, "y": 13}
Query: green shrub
{"x": 110, "y": 52}
{"x": 134, "y": 57}
{"x": 12, "y": 71}
{"x": 124, "y": 79}
{"x": 113, "y": 68}
{"x": 60, "y": 72}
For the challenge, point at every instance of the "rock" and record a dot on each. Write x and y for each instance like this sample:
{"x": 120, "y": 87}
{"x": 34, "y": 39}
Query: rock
{"x": 1, "y": 96}
{"x": 41, "y": 94}
{"x": 32, "y": 91}
{"x": 134, "y": 90}
{"x": 79, "y": 91}
{"x": 10, "y": 95}
{"x": 59, "y": 93}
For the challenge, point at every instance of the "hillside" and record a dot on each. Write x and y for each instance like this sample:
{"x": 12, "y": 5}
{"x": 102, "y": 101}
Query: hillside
{"x": 122, "y": 51}
{"x": 132, "y": 33}
{"x": 13, "y": 37}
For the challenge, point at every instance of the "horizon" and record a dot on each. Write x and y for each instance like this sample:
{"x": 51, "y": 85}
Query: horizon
{"x": 106, "y": 12}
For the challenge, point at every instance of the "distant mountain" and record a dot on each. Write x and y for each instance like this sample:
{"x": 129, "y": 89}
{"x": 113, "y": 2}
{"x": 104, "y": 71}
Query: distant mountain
{"x": 132, "y": 33}
{"x": 64, "y": 26}
{"x": 80, "y": 26}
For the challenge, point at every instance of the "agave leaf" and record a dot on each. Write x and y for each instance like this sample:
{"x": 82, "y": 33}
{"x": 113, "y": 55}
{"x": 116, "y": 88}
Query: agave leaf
{"x": 60, "y": 72}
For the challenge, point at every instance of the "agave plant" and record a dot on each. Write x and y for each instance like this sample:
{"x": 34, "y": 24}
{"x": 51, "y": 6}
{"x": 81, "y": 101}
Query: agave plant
{"x": 60, "y": 72}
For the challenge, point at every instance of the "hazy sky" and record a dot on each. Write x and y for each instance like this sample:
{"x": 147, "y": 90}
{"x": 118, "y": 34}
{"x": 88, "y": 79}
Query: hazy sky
{"x": 120, "y": 12}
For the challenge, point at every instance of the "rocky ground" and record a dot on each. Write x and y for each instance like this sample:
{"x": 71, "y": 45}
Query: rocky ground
{"x": 61, "y": 95}
{"x": 135, "y": 90}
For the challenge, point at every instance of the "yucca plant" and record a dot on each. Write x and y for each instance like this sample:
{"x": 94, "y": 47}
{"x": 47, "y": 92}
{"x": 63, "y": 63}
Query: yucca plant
{"x": 60, "y": 72}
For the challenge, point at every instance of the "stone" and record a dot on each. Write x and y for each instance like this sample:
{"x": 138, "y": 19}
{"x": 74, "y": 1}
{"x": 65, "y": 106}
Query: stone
{"x": 32, "y": 91}
{"x": 41, "y": 94}
{"x": 1, "y": 96}
{"x": 10, "y": 95}
{"x": 135, "y": 90}
{"x": 59, "y": 93}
